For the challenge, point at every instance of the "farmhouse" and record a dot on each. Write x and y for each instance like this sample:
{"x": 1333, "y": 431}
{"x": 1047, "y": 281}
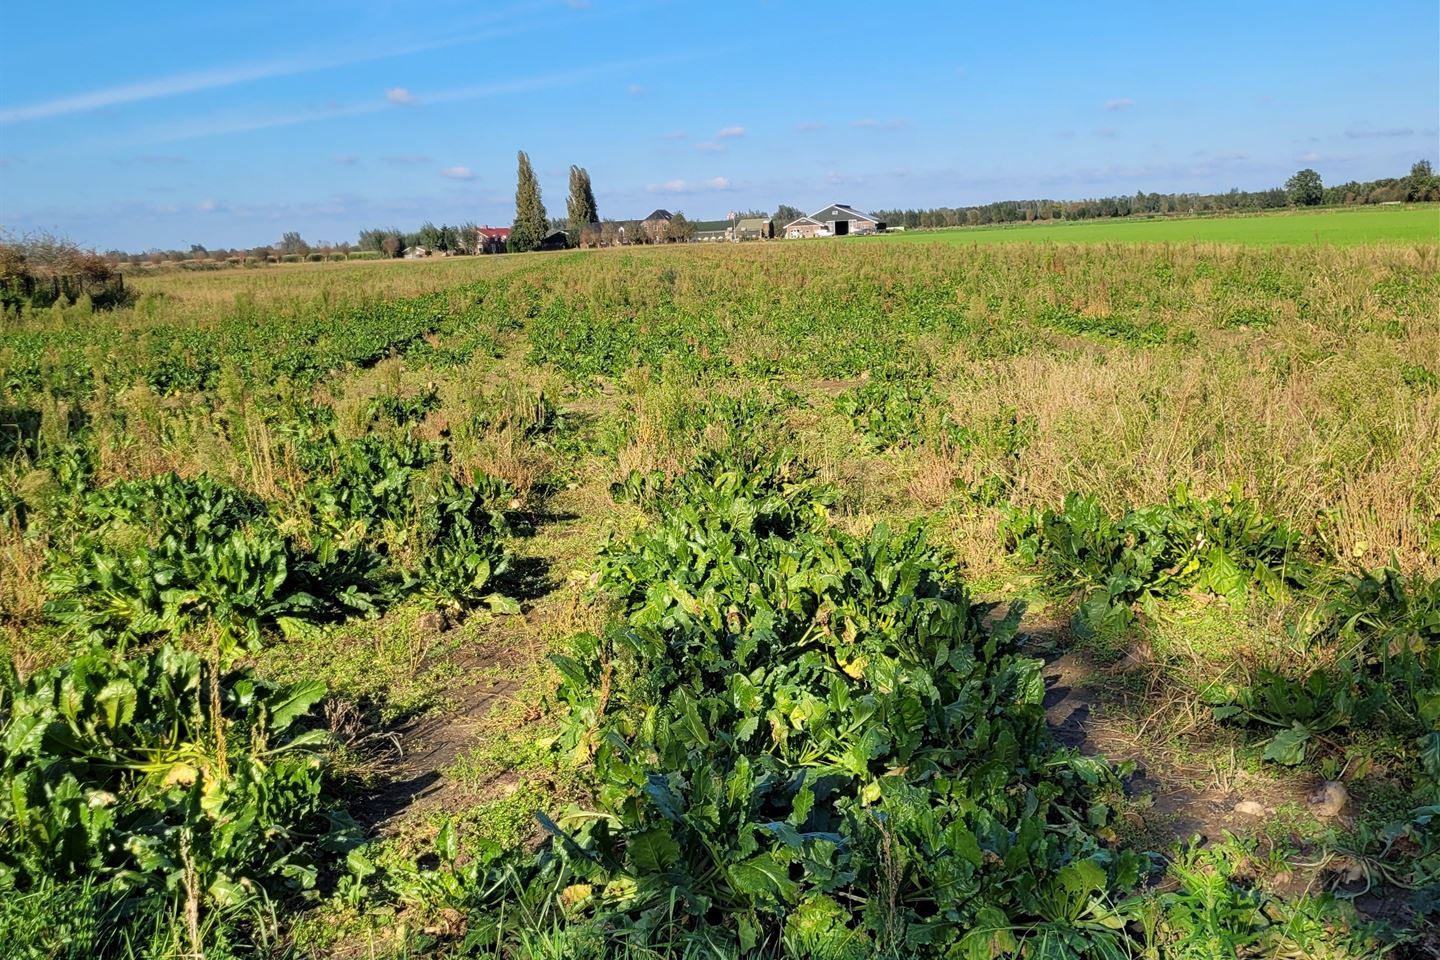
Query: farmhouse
{"x": 491, "y": 239}
{"x": 803, "y": 229}
{"x": 555, "y": 240}
{"x": 653, "y": 226}
{"x": 755, "y": 228}
{"x": 836, "y": 220}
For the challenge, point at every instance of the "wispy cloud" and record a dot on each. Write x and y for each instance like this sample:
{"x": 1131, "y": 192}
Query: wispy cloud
{"x": 400, "y": 96}
{"x": 160, "y": 87}
{"x": 1366, "y": 133}
{"x": 807, "y": 125}
{"x": 1119, "y": 103}
{"x": 728, "y": 133}
{"x": 152, "y": 160}
{"x": 178, "y": 84}
{"x": 1108, "y": 133}
{"x": 345, "y": 159}
{"x": 675, "y": 135}
{"x": 894, "y": 123}
{"x": 250, "y": 123}
{"x": 634, "y": 89}
{"x": 710, "y": 146}
{"x": 405, "y": 159}
{"x": 458, "y": 173}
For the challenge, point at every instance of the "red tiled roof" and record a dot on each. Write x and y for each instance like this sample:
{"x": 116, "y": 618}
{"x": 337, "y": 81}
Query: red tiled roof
{"x": 497, "y": 233}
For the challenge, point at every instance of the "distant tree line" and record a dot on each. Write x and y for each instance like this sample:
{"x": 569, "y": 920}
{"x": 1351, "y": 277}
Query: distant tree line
{"x": 1303, "y": 189}
{"x": 583, "y": 225}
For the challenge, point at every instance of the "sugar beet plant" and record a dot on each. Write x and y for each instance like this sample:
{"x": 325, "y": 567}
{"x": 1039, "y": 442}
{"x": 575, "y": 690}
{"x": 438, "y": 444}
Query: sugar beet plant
{"x": 1378, "y": 636}
{"x": 1225, "y": 545}
{"x": 168, "y": 555}
{"x": 147, "y": 780}
{"x": 151, "y": 786}
{"x": 810, "y": 743}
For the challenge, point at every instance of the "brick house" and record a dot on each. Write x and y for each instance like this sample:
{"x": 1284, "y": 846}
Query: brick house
{"x": 836, "y": 220}
{"x": 652, "y": 228}
{"x": 491, "y": 239}
{"x": 803, "y": 229}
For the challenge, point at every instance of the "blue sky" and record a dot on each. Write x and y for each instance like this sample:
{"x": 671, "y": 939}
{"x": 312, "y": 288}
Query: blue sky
{"x": 226, "y": 124}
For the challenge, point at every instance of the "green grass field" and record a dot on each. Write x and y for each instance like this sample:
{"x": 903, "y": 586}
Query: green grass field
{"x": 623, "y": 604}
{"x": 1414, "y": 223}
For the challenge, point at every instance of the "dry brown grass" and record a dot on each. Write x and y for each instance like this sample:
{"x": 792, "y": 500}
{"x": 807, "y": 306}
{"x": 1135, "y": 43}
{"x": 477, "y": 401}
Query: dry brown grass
{"x": 21, "y": 562}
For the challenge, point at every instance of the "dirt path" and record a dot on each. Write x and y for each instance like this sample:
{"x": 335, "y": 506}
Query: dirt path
{"x": 1186, "y": 800}
{"x": 493, "y": 671}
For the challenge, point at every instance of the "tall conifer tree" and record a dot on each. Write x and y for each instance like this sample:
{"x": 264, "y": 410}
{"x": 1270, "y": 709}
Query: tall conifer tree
{"x": 581, "y": 206}
{"x": 529, "y": 227}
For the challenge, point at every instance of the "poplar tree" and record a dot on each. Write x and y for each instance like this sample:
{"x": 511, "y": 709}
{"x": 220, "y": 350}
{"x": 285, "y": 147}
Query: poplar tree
{"x": 529, "y": 227}
{"x": 581, "y": 205}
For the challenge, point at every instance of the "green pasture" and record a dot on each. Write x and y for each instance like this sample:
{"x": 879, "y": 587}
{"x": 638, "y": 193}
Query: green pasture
{"x": 1411, "y": 223}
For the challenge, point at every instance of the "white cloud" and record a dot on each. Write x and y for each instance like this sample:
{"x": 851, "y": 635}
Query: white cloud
{"x": 676, "y": 135}
{"x": 894, "y": 123}
{"x": 686, "y": 186}
{"x": 458, "y": 173}
{"x": 1310, "y": 157}
{"x": 725, "y": 133}
{"x": 400, "y": 97}
{"x": 206, "y": 206}
{"x": 1119, "y": 103}
{"x": 634, "y": 89}
{"x": 710, "y": 146}
{"x": 1109, "y": 133}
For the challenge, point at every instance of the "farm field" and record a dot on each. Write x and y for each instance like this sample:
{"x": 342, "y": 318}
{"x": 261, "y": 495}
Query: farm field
{"x": 1412, "y": 223}
{"x": 854, "y": 599}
